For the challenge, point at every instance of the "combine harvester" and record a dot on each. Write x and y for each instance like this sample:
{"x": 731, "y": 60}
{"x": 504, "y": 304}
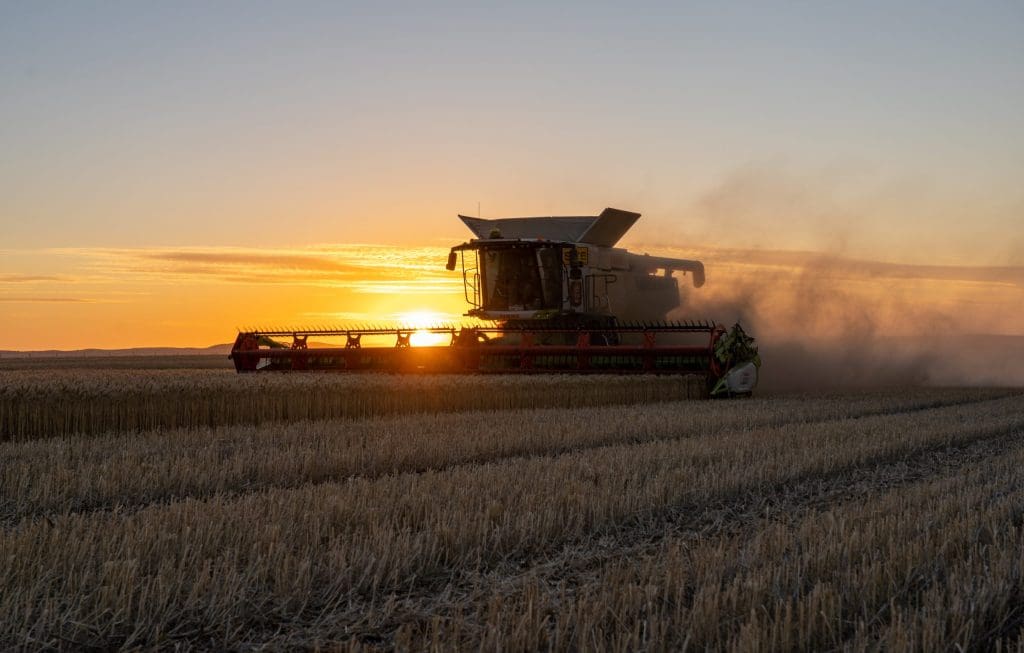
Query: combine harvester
{"x": 552, "y": 295}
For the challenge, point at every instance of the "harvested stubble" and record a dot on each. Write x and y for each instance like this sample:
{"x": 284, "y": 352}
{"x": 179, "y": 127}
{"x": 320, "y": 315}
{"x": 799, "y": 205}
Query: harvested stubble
{"x": 231, "y": 571}
{"x": 55, "y": 475}
{"x": 933, "y": 566}
{"x": 56, "y": 403}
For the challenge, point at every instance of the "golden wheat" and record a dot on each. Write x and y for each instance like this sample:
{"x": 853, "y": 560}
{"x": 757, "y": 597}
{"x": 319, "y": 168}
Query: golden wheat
{"x": 231, "y": 570}
{"x": 37, "y": 404}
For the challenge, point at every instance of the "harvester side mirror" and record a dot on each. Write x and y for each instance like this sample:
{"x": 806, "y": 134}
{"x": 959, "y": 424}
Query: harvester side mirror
{"x": 453, "y": 258}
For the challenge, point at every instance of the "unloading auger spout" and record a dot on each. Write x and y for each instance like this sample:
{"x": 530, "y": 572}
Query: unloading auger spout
{"x": 549, "y": 294}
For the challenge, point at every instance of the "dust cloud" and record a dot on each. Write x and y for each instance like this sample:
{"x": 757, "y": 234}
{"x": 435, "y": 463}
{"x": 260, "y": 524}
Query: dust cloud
{"x": 819, "y": 329}
{"x": 825, "y": 320}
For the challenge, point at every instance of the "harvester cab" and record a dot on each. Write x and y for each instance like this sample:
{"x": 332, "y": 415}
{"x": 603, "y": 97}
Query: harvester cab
{"x": 565, "y": 268}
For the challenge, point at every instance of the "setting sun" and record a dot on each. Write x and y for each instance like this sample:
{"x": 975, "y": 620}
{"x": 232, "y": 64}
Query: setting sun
{"x": 424, "y": 321}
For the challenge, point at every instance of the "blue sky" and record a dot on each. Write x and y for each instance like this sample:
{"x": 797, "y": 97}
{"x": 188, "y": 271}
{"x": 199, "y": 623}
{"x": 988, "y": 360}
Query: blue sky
{"x": 244, "y": 123}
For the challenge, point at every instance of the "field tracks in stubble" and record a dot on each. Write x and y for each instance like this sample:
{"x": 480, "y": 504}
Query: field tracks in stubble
{"x": 453, "y": 590}
{"x": 802, "y": 492}
{"x": 719, "y": 524}
{"x": 129, "y": 473}
{"x": 574, "y": 565}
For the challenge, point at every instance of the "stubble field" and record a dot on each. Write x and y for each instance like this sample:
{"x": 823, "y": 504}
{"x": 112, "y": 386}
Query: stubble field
{"x": 199, "y": 509}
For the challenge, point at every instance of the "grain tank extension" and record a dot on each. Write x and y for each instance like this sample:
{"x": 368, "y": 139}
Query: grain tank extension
{"x": 551, "y": 294}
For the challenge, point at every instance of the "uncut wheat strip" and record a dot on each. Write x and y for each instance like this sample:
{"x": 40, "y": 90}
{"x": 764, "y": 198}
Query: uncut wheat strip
{"x": 937, "y": 563}
{"x": 97, "y": 383}
{"x": 370, "y": 537}
{"x": 76, "y": 474}
{"x": 90, "y": 403}
{"x": 467, "y": 601}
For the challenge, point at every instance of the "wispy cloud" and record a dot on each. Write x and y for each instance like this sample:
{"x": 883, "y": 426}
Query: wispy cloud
{"x": 382, "y": 271}
{"x": 407, "y": 287}
{"x": 214, "y": 260}
{"x": 365, "y": 269}
{"x": 386, "y": 269}
{"x": 8, "y": 277}
{"x": 48, "y": 300}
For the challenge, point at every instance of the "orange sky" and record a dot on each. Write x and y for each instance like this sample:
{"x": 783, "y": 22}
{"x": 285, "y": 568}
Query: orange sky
{"x": 169, "y": 171}
{"x": 196, "y": 296}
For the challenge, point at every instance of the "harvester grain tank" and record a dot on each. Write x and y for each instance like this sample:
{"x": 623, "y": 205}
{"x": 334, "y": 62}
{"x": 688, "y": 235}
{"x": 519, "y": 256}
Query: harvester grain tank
{"x": 551, "y": 294}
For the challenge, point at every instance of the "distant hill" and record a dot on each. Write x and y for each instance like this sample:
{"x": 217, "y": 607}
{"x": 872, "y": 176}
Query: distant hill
{"x": 212, "y": 350}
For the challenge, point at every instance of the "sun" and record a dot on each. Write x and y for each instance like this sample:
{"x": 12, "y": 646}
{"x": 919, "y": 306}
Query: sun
{"x": 422, "y": 321}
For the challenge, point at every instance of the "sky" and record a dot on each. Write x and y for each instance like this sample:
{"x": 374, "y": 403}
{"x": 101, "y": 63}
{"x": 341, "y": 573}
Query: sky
{"x": 172, "y": 171}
